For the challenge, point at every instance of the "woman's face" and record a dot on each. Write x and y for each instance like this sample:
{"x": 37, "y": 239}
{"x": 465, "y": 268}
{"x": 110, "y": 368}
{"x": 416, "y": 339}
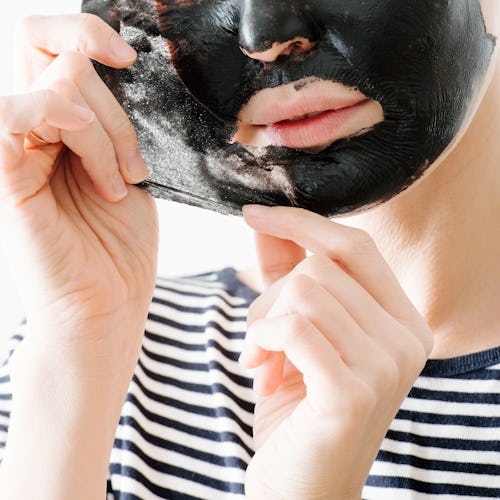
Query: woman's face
{"x": 333, "y": 106}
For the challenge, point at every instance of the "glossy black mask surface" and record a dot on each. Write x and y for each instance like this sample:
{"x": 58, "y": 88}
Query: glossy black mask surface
{"x": 422, "y": 60}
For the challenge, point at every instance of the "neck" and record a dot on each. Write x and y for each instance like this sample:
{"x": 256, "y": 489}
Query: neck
{"x": 441, "y": 238}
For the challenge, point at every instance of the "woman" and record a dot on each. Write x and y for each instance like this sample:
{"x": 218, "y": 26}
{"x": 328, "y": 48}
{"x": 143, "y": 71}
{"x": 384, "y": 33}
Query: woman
{"x": 337, "y": 339}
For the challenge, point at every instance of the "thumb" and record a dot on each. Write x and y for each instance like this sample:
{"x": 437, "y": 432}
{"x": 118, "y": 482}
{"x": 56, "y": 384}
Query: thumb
{"x": 276, "y": 257}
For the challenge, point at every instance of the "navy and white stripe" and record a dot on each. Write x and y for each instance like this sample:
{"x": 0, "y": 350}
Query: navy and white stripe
{"x": 445, "y": 440}
{"x": 186, "y": 426}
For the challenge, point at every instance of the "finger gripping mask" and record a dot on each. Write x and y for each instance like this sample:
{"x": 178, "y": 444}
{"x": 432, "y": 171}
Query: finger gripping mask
{"x": 330, "y": 106}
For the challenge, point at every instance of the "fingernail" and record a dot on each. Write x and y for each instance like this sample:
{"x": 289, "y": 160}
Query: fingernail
{"x": 136, "y": 168}
{"x": 84, "y": 114}
{"x": 256, "y": 211}
{"x": 119, "y": 186}
{"x": 122, "y": 49}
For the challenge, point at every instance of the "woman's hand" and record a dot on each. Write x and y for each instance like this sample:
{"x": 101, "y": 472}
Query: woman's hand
{"x": 82, "y": 249}
{"x": 336, "y": 345}
{"x": 83, "y": 252}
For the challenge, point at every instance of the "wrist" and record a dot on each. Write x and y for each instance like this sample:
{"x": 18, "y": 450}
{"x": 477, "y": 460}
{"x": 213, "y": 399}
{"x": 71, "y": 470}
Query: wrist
{"x": 65, "y": 422}
{"x": 40, "y": 377}
{"x": 99, "y": 353}
{"x": 76, "y": 398}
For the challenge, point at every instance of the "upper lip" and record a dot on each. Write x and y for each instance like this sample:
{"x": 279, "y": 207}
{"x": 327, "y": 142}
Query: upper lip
{"x": 288, "y": 105}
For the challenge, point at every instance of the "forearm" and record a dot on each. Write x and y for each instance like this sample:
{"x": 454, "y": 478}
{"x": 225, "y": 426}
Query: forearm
{"x": 60, "y": 434}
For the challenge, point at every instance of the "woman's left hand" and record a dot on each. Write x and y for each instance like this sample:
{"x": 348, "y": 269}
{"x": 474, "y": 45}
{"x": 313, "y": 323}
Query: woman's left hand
{"x": 336, "y": 344}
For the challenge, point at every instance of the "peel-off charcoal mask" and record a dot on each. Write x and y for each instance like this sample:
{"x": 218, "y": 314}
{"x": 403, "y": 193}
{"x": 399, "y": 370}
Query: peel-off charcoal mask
{"x": 329, "y": 105}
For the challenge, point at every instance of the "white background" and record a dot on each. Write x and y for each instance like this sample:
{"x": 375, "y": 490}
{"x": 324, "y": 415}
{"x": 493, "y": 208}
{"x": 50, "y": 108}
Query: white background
{"x": 191, "y": 240}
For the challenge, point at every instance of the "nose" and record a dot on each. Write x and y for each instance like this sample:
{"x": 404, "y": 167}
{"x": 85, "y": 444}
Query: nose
{"x": 270, "y": 29}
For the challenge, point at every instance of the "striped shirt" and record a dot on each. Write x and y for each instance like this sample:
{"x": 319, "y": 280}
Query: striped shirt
{"x": 186, "y": 427}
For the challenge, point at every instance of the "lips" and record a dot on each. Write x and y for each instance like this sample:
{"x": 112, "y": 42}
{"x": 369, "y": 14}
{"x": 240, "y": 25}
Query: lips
{"x": 321, "y": 129}
{"x": 302, "y": 106}
{"x": 306, "y": 115}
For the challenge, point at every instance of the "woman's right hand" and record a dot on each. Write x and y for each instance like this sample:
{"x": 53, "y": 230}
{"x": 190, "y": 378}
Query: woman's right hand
{"x": 82, "y": 249}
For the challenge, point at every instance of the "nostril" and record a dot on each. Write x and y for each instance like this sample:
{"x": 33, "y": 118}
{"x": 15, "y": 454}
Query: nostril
{"x": 297, "y": 45}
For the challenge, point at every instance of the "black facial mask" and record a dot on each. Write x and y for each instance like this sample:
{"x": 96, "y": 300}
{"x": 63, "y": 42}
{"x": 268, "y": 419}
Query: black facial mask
{"x": 422, "y": 60}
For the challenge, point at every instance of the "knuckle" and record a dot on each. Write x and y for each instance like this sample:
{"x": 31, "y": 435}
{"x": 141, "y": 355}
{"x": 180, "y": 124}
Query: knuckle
{"x": 298, "y": 217}
{"x": 360, "y": 243}
{"x": 90, "y": 32}
{"x": 90, "y": 26}
{"x": 47, "y": 98}
{"x": 299, "y": 329}
{"x": 299, "y": 214}
{"x": 122, "y": 126}
{"x": 76, "y": 64}
{"x": 297, "y": 289}
{"x": 315, "y": 265}
{"x": 64, "y": 86}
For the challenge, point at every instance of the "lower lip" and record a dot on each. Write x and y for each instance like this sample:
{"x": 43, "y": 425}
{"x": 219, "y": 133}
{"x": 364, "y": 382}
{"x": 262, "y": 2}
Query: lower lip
{"x": 316, "y": 131}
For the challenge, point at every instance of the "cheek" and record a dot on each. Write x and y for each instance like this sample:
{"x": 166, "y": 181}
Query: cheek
{"x": 203, "y": 42}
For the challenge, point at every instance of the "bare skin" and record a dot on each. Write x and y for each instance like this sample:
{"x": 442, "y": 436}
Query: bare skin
{"x": 319, "y": 374}
{"x": 441, "y": 238}
{"x": 85, "y": 264}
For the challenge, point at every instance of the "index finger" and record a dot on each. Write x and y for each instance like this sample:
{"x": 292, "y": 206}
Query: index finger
{"x": 352, "y": 248}
{"x": 85, "y": 33}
